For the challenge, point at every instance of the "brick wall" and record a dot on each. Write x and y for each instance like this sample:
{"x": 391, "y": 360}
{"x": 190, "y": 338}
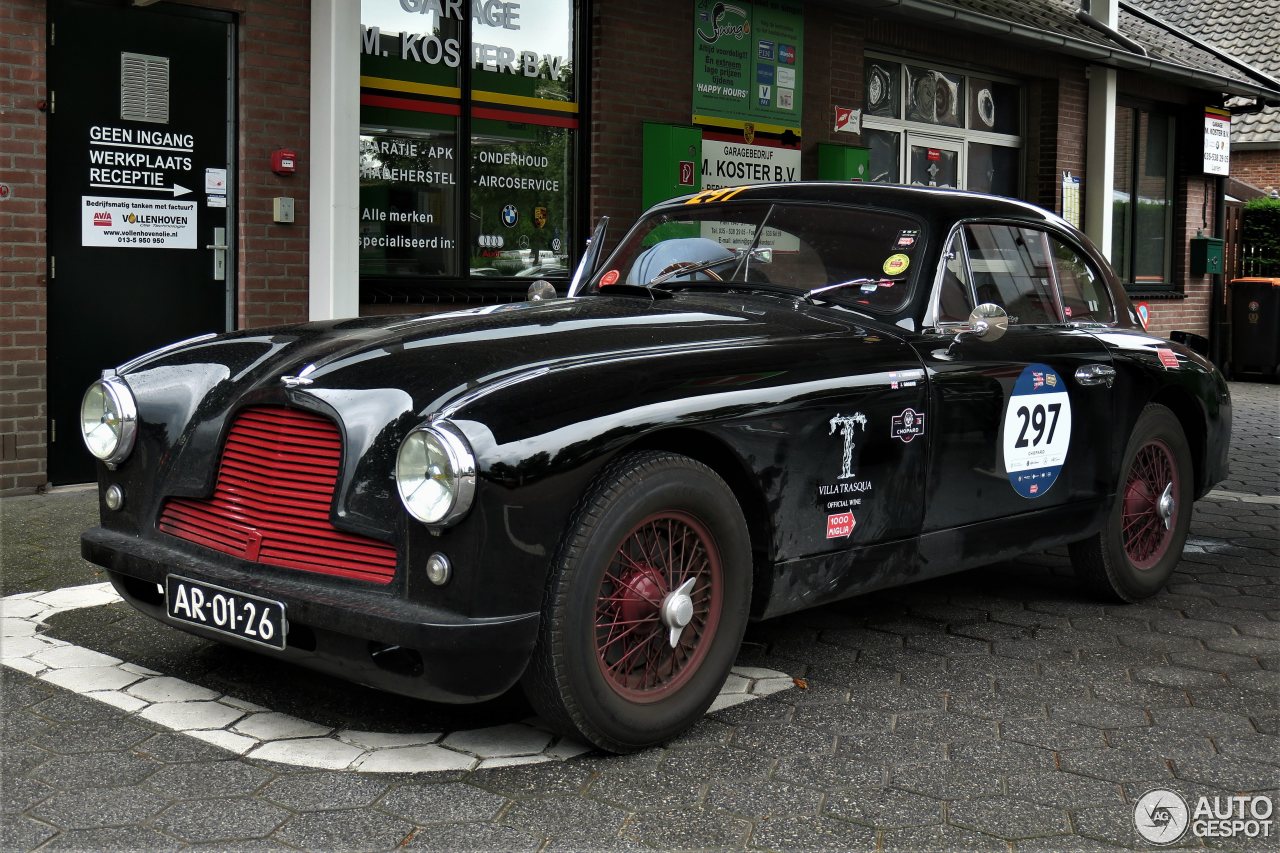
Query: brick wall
{"x": 22, "y": 265}
{"x": 630, "y": 42}
{"x": 1194, "y": 200}
{"x": 274, "y": 112}
{"x": 1260, "y": 168}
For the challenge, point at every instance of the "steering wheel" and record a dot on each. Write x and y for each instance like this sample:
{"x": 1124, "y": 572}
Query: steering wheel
{"x": 682, "y": 265}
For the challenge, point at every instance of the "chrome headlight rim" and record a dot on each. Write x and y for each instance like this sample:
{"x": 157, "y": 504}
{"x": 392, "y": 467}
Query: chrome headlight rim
{"x": 462, "y": 461}
{"x": 117, "y": 391}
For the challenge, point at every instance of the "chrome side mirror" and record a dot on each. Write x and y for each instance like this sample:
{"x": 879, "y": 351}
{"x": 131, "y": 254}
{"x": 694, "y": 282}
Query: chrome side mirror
{"x": 988, "y": 322}
{"x": 540, "y": 290}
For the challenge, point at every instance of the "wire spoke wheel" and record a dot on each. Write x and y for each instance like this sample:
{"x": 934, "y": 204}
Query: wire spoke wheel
{"x": 646, "y": 604}
{"x": 1147, "y": 507}
{"x": 658, "y": 606}
{"x": 1138, "y": 547}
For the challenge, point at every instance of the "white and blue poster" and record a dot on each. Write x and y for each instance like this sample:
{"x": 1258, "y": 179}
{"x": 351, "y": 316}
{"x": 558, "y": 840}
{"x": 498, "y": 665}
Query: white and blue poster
{"x": 1037, "y": 430}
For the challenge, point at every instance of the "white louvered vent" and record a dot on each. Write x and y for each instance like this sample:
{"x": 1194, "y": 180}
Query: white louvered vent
{"x": 144, "y": 87}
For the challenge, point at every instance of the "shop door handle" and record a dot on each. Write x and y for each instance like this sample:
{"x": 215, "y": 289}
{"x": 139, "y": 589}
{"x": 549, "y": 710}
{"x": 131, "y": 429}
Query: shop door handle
{"x": 1096, "y": 374}
{"x": 219, "y": 246}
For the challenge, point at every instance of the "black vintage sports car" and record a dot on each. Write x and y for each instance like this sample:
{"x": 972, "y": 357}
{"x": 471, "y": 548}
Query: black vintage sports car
{"x": 766, "y": 398}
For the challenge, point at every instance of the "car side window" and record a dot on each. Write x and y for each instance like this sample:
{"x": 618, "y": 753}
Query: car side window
{"x": 1085, "y": 297}
{"x": 954, "y": 302}
{"x": 1012, "y": 268}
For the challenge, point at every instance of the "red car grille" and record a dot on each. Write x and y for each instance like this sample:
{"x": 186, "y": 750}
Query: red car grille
{"x": 272, "y": 500}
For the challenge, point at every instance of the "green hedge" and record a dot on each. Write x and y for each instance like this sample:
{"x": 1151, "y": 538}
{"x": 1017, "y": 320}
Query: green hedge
{"x": 1260, "y": 236}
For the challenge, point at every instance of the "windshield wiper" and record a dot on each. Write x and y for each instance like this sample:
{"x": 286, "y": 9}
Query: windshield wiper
{"x": 809, "y": 294}
{"x": 689, "y": 269}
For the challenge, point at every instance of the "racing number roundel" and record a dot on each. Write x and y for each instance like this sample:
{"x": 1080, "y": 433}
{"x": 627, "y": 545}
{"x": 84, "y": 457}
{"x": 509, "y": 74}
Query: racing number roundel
{"x": 1037, "y": 430}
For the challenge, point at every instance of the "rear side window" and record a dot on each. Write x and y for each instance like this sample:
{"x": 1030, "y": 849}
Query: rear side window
{"x": 1085, "y": 296}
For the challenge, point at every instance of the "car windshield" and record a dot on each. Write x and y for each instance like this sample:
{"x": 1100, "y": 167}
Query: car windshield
{"x": 851, "y": 255}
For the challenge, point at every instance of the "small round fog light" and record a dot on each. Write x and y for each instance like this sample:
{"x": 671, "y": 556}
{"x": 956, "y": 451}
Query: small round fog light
{"x": 114, "y": 498}
{"x": 438, "y": 569}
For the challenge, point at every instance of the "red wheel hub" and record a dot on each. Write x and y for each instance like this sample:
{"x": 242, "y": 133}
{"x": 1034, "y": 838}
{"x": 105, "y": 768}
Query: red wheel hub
{"x": 1149, "y": 509}
{"x": 641, "y": 588}
{"x": 658, "y": 606}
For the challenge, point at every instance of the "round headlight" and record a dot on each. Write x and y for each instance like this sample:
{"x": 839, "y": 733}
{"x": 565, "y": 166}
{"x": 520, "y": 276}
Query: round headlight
{"x": 436, "y": 474}
{"x": 109, "y": 420}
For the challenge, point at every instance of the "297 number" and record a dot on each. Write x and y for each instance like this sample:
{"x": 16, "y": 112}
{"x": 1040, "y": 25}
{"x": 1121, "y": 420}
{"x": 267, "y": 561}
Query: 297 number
{"x": 1036, "y": 418}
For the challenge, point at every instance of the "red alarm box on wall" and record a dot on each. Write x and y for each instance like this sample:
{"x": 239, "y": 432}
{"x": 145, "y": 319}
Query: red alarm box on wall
{"x": 284, "y": 161}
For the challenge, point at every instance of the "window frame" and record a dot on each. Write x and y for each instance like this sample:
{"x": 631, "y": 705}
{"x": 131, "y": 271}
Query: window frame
{"x": 955, "y": 234}
{"x": 1125, "y": 275}
{"x": 965, "y": 133}
{"x": 463, "y": 286}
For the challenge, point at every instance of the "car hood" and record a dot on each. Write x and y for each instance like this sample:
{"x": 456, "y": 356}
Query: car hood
{"x": 431, "y": 362}
{"x": 380, "y": 377}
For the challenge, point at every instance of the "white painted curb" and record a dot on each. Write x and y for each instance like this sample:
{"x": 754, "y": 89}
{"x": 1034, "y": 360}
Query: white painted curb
{"x": 256, "y": 732}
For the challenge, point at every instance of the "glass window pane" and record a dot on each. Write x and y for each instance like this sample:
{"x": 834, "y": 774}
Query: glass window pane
{"x": 885, "y": 155}
{"x": 524, "y": 121}
{"x": 1122, "y": 195}
{"x": 935, "y": 97}
{"x": 994, "y": 169}
{"x": 1085, "y": 297}
{"x": 955, "y": 301}
{"x": 995, "y": 107}
{"x": 1011, "y": 268}
{"x": 521, "y": 191}
{"x": 408, "y": 194}
{"x": 933, "y": 166}
{"x": 884, "y": 88}
{"x": 1152, "y": 212}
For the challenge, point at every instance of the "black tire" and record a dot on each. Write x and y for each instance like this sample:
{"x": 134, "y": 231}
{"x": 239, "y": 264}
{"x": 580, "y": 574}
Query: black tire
{"x": 1116, "y": 565}
{"x": 583, "y": 676}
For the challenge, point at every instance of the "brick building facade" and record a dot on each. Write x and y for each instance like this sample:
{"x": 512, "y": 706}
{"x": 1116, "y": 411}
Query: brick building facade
{"x": 641, "y": 62}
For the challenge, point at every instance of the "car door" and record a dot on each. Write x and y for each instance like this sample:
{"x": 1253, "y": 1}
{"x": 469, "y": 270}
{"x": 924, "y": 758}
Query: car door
{"x": 1021, "y": 421}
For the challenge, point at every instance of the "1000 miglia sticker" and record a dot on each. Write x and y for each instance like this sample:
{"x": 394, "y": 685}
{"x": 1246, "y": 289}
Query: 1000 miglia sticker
{"x": 1037, "y": 430}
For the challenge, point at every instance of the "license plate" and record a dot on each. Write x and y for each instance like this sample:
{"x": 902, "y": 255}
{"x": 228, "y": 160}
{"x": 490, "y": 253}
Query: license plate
{"x": 249, "y": 617}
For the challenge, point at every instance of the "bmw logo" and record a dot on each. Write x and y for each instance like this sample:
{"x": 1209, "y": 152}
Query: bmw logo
{"x": 510, "y": 216}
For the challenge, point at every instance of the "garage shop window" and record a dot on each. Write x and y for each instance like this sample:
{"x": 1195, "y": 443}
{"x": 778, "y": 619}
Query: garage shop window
{"x": 929, "y": 125}
{"x": 469, "y": 134}
{"x": 1142, "y": 208}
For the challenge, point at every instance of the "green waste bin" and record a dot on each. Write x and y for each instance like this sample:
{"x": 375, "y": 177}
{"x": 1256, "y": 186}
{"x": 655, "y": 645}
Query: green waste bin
{"x": 1255, "y": 327}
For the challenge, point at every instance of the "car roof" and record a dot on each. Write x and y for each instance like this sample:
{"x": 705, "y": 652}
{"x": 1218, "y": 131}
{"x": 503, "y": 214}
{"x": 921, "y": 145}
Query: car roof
{"x": 930, "y": 203}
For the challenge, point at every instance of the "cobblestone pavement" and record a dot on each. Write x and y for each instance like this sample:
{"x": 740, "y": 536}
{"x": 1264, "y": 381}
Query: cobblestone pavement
{"x": 997, "y": 709}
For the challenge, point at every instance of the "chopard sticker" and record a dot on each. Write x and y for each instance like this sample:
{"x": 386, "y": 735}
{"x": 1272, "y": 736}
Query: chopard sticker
{"x": 1037, "y": 430}
{"x": 906, "y": 240}
{"x": 840, "y": 525}
{"x": 896, "y": 264}
{"x": 609, "y": 278}
{"x": 1167, "y": 357}
{"x": 907, "y": 425}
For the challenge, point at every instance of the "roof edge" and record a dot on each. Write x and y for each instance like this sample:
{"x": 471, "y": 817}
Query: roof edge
{"x": 977, "y": 22}
{"x": 1239, "y": 64}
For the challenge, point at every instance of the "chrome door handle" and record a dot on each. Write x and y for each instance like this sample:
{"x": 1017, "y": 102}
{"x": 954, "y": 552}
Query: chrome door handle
{"x": 1096, "y": 374}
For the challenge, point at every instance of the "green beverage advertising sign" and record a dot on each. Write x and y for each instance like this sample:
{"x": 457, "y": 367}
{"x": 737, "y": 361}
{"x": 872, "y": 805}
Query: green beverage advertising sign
{"x": 748, "y": 64}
